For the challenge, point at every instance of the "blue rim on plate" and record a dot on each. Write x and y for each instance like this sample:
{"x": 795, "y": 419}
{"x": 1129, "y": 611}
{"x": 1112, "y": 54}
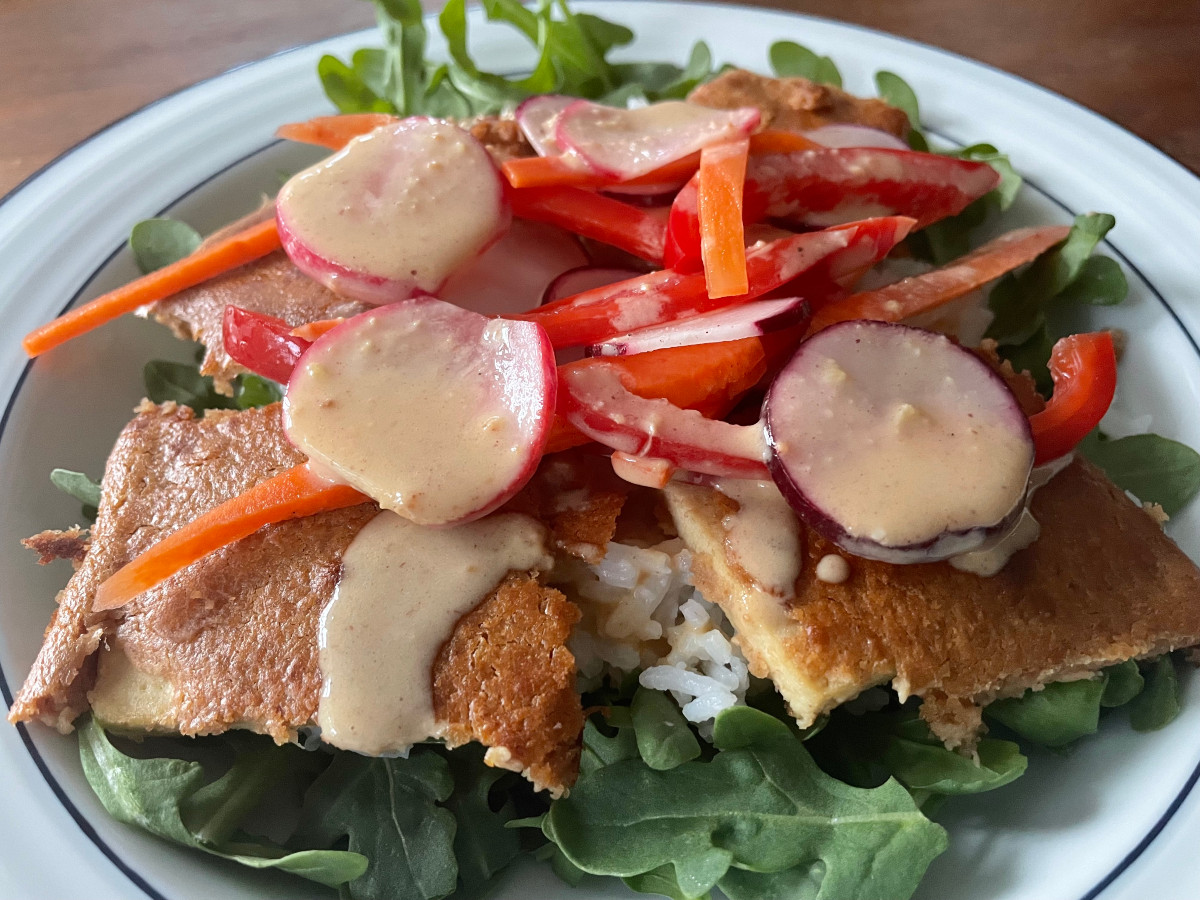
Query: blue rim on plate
{"x": 56, "y": 788}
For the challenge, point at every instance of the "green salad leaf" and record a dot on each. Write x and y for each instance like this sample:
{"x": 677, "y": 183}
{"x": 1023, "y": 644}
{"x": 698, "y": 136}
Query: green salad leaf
{"x": 1055, "y": 716}
{"x": 80, "y": 487}
{"x": 572, "y": 58}
{"x": 1125, "y": 682}
{"x": 664, "y": 738}
{"x": 182, "y": 383}
{"x": 790, "y": 60}
{"x": 390, "y": 811}
{"x": 1157, "y": 705}
{"x": 483, "y": 803}
{"x": 1154, "y": 469}
{"x": 169, "y": 798}
{"x": 758, "y": 819}
{"x": 896, "y": 91}
{"x": 159, "y": 242}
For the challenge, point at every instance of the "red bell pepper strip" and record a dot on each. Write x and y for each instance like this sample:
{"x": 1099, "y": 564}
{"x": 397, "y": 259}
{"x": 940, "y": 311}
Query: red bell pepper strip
{"x": 293, "y": 494}
{"x": 722, "y": 241}
{"x": 1084, "y": 369}
{"x": 814, "y": 266}
{"x": 263, "y": 344}
{"x": 630, "y": 228}
{"x": 921, "y": 293}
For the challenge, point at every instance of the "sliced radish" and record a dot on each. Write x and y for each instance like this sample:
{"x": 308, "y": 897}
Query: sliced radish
{"x": 537, "y": 118}
{"x": 585, "y": 278}
{"x": 896, "y": 443}
{"x": 594, "y": 400}
{"x": 436, "y": 412}
{"x": 746, "y": 320}
{"x": 394, "y": 213}
{"x": 515, "y": 272}
{"x": 846, "y": 135}
{"x": 628, "y": 143}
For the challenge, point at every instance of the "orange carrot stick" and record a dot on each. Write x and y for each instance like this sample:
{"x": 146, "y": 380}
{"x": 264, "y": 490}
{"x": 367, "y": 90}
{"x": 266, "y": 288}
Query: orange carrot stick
{"x": 310, "y": 331}
{"x": 722, "y": 237}
{"x": 922, "y": 293}
{"x": 236, "y": 250}
{"x": 334, "y": 132}
{"x": 293, "y": 494}
{"x": 775, "y": 140}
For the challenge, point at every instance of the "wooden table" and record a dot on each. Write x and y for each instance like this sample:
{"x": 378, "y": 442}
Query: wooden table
{"x": 69, "y": 67}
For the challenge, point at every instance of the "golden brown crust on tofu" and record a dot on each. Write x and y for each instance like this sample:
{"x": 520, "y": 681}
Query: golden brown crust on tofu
{"x": 507, "y": 680}
{"x": 797, "y": 104}
{"x": 231, "y": 641}
{"x": 1102, "y": 584}
{"x": 500, "y": 136}
{"x": 51, "y": 545}
{"x": 272, "y": 286}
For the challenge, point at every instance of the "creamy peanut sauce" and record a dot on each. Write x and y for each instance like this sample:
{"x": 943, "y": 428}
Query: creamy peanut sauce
{"x": 907, "y": 458}
{"x": 763, "y": 535}
{"x": 833, "y": 569}
{"x": 402, "y": 589}
{"x": 411, "y": 208}
{"x": 994, "y": 556}
{"x": 402, "y": 415}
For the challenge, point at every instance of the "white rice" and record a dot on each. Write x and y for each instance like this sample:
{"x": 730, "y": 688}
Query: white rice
{"x": 641, "y": 610}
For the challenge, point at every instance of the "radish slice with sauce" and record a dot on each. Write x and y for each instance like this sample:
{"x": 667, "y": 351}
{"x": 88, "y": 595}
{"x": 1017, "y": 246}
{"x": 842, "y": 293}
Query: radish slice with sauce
{"x": 594, "y": 400}
{"x": 896, "y": 443}
{"x": 747, "y": 320}
{"x": 515, "y": 273}
{"x": 628, "y": 143}
{"x": 437, "y": 413}
{"x": 537, "y": 118}
{"x": 394, "y": 213}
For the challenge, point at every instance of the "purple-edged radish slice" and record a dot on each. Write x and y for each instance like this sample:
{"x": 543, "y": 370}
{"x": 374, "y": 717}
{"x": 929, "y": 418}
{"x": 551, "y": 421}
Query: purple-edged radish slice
{"x": 437, "y": 413}
{"x": 537, "y": 118}
{"x": 896, "y": 443}
{"x": 846, "y": 135}
{"x": 394, "y": 213}
{"x": 594, "y": 400}
{"x": 627, "y": 143}
{"x": 585, "y": 278}
{"x": 746, "y": 320}
{"x": 513, "y": 274}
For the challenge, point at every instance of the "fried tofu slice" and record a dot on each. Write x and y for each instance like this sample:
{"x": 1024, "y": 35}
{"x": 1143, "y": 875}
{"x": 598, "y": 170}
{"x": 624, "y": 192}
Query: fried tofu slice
{"x": 1102, "y": 584}
{"x": 231, "y": 641}
{"x": 797, "y": 104}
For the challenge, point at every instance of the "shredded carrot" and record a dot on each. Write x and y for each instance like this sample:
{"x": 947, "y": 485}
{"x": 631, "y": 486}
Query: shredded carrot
{"x": 293, "y": 494}
{"x": 721, "y": 182}
{"x": 922, "y": 293}
{"x": 334, "y": 132}
{"x": 310, "y": 331}
{"x": 709, "y": 378}
{"x": 775, "y": 140}
{"x": 236, "y": 250}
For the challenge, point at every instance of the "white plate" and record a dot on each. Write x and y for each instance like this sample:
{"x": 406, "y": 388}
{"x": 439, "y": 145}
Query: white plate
{"x": 1116, "y": 818}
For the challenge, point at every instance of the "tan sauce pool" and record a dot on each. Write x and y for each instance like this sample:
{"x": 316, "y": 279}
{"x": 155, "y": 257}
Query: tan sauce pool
{"x": 763, "y": 536}
{"x": 403, "y": 588}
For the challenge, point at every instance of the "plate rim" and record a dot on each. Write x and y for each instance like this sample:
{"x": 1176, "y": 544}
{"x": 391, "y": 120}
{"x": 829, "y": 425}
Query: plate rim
{"x": 727, "y": 7}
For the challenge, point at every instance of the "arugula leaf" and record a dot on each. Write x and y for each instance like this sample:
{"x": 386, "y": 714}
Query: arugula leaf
{"x": 895, "y": 91}
{"x": 600, "y": 749}
{"x": 80, "y": 487}
{"x": 790, "y": 60}
{"x": 1054, "y": 716}
{"x": 159, "y": 242}
{"x": 661, "y": 882}
{"x": 168, "y": 798}
{"x": 182, "y": 383}
{"x": 388, "y": 809}
{"x": 483, "y": 803}
{"x": 251, "y": 391}
{"x": 664, "y": 738}
{"x": 760, "y": 804}
{"x": 921, "y": 762}
{"x": 1154, "y": 469}
{"x": 1157, "y": 705}
{"x": 1124, "y": 683}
